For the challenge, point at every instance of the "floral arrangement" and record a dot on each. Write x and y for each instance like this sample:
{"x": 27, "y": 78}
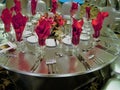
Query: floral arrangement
{"x": 57, "y": 27}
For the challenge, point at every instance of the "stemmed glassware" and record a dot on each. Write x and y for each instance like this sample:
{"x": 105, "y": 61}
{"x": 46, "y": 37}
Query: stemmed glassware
{"x": 76, "y": 31}
{"x": 42, "y": 30}
{"x": 19, "y": 22}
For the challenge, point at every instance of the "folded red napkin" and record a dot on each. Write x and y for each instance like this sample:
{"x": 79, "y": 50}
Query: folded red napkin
{"x": 74, "y": 8}
{"x": 76, "y": 31}
{"x": 43, "y": 29}
{"x": 88, "y": 12}
{"x": 6, "y": 17}
{"x": 33, "y": 6}
{"x": 19, "y": 22}
{"x": 54, "y": 6}
{"x": 98, "y": 23}
{"x": 17, "y": 7}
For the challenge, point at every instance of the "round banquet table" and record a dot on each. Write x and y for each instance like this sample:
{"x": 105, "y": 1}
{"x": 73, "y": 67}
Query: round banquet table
{"x": 54, "y": 72}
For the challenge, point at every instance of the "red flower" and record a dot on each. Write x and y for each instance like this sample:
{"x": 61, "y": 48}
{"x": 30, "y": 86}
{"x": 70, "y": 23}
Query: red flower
{"x": 33, "y": 6}
{"x": 6, "y": 18}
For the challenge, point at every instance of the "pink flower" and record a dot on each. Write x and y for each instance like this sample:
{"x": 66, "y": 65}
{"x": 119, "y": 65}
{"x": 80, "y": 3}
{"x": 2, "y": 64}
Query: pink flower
{"x": 6, "y": 18}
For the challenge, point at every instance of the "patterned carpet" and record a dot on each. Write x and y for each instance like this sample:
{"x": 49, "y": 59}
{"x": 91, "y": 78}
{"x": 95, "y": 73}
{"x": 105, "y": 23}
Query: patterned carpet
{"x": 6, "y": 82}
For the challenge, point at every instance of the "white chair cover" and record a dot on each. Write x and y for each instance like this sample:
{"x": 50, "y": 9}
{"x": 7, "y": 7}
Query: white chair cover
{"x": 41, "y": 7}
{"x": 66, "y": 10}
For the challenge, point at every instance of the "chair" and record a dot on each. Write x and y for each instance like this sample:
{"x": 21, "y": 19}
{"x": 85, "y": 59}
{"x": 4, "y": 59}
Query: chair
{"x": 66, "y": 10}
{"x": 41, "y": 7}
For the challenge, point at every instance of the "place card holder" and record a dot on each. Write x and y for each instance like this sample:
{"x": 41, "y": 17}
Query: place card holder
{"x": 6, "y": 47}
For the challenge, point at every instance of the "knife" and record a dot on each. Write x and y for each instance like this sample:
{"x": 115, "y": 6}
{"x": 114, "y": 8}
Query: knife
{"x": 82, "y": 60}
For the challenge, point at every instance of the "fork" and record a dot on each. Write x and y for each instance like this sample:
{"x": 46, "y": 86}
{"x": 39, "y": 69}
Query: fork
{"x": 51, "y": 66}
{"x": 95, "y": 59}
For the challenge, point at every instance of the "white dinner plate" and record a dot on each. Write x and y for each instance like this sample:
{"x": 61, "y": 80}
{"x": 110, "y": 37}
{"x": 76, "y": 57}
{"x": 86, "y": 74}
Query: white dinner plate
{"x": 32, "y": 39}
{"x": 51, "y": 42}
{"x": 67, "y": 40}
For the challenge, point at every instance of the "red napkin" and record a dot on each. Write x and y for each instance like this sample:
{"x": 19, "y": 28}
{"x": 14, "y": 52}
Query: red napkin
{"x": 88, "y": 12}
{"x": 43, "y": 30}
{"x": 74, "y": 8}
{"x": 33, "y": 6}
{"x": 6, "y": 17}
{"x": 19, "y": 22}
{"x": 98, "y": 22}
{"x": 76, "y": 31}
{"x": 17, "y": 7}
{"x": 54, "y": 6}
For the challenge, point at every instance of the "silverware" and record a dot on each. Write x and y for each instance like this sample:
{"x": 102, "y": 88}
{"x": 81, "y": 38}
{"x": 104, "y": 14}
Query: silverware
{"x": 35, "y": 66}
{"x": 106, "y": 49}
{"x": 55, "y": 42}
{"x": 51, "y": 66}
{"x": 96, "y": 59}
{"x": 86, "y": 65}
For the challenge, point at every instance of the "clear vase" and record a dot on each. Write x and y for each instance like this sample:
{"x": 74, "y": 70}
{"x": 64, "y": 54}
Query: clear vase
{"x": 20, "y": 46}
